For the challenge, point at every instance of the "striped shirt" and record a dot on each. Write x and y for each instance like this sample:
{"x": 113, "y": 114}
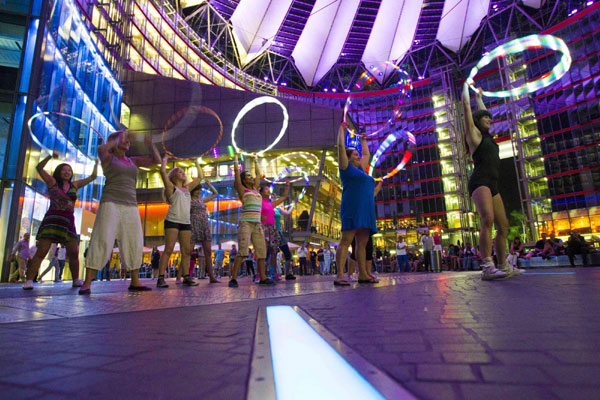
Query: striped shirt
{"x": 251, "y": 206}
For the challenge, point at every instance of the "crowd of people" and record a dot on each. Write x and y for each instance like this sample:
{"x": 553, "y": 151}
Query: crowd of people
{"x": 117, "y": 221}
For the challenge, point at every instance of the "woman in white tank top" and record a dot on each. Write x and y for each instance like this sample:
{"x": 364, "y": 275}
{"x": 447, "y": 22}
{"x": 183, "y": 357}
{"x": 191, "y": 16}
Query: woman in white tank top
{"x": 177, "y": 221}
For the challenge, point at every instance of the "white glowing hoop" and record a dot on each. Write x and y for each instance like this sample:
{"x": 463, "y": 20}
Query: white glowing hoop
{"x": 517, "y": 46}
{"x": 249, "y": 106}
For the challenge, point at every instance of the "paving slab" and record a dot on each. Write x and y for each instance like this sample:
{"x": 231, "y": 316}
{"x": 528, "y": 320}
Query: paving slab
{"x": 442, "y": 336}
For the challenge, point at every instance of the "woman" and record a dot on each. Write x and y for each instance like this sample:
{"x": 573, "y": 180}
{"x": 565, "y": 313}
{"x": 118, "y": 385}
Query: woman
{"x": 250, "y": 228}
{"x": 483, "y": 187}
{"x": 177, "y": 222}
{"x": 517, "y": 249}
{"x": 155, "y": 261}
{"x": 357, "y": 208}
{"x": 249, "y": 265}
{"x": 118, "y": 217}
{"x": 267, "y": 219}
{"x": 200, "y": 224}
{"x": 58, "y": 225}
{"x": 283, "y": 244}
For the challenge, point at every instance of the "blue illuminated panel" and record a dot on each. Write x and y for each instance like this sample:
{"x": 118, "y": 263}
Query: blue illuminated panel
{"x": 305, "y": 366}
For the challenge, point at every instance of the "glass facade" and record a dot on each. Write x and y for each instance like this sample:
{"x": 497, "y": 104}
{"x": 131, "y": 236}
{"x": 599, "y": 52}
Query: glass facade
{"x": 74, "y": 80}
{"x": 77, "y": 47}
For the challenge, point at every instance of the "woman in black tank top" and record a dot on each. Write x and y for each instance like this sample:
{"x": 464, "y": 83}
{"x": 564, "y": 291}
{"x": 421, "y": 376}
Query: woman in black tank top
{"x": 483, "y": 187}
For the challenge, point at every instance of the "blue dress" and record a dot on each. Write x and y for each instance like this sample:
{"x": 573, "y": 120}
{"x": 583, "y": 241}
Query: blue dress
{"x": 358, "y": 199}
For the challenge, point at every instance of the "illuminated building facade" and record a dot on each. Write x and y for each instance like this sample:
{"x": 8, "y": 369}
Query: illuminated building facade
{"x": 73, "y": 56}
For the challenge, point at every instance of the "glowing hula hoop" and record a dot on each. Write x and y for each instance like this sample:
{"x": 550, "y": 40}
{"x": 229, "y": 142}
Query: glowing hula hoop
{"x": 47, "y": 113}
{"x": 287, "y": 157}
{"x": 249, "y": 106}
{"x": 404, "y": 86}
{"x": 517, "y": 46}
{"x": 391, "y": 139}
{"x": 179, "y": 114}
{"x": 286, "y": 171}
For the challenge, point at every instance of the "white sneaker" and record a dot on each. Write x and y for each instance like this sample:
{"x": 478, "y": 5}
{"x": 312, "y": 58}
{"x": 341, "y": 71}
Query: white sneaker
{"x": 509, "y": 270}
{"x": 490, "y": 272}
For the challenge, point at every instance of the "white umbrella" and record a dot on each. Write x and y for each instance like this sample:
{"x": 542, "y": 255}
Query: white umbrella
{"x": 162, "y": 247}
{"x": 225, "y": 245}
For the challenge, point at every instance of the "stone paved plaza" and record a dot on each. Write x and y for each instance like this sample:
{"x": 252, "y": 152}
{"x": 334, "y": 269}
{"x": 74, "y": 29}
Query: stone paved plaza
{"x": 441, "y": 336}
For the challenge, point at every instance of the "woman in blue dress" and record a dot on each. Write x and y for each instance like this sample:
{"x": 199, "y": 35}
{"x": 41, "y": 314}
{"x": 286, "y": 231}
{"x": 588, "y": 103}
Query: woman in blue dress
{"x": 357, "y": 208}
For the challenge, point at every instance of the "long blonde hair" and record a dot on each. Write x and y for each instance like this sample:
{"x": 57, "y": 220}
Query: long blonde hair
{"x": 170, "y": 176}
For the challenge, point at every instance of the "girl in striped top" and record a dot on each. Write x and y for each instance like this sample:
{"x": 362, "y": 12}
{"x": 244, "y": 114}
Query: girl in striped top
{"x": 250, "y": 228}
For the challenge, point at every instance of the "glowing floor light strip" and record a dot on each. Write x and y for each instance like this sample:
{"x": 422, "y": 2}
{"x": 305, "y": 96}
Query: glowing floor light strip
{"x": 305, "y": 366}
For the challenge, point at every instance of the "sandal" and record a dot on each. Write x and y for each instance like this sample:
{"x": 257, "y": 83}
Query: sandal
{"x": 341, "y": 282}
{"x": 85, "y": 291}
{"x": 138, "y": 288}
{"x": 370, "y": 280}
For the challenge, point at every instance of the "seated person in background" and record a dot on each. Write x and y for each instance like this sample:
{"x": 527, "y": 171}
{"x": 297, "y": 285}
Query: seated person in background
{"x": 577, "y": 245}
{"x": 542, "y": 248}
{"x": 517, "y": 250}
{"x": 412, "y": 259}
{"x": 467, "y": 261}
{"x": 558, "y": 247}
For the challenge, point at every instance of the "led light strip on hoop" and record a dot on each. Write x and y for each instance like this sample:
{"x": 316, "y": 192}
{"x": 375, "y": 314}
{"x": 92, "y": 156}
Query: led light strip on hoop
{"x": 286, "y": 171}
{"x": 404, "y": 86}
{"x": 48, "y": 113}
{"x": 391, "y": 139}
{"x": 517, "y": 46}
{"x": 287, "y": 158}
{"x": 179, "y": 114}
{"x": 249, "y": 106}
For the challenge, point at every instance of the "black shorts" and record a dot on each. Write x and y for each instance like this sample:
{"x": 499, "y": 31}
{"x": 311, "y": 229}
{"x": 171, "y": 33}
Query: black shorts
{"x": 475, "y": 183}
{"x": 176, "y": 225}
{"x": 369, "y": 249}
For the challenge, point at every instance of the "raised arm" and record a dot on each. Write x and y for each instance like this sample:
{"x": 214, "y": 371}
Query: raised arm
{"x": 472, "y": 134}
{"x": 192, "y": 185}
{"x": 285, "y": 212}
{"x": 169, "y": 187}
{"x": 105, "y": 150}
{"x": 378, "y": 187}
{"x": 46, "y": 177}
{"x": 258, "y": 176}
{"x": 281, "y": 199}
{"x": 212, "y": 195}
{"x": 366, "y": 155}
{"x": 479, "y": 99}
{"x": 145, "y": 161}
{"x": 342, "y": 157}
{"x": 82, "y": 182}
{"x": 237, "y": 181}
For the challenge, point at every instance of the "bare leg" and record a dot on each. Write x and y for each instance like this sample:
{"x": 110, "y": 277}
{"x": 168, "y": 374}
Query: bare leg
{"x": 482, "y": 196}
{"x": 342, "y": 252}
{"x": 73, "y": 256}
{"x": 501, "y": 223}
{"x": 261, "y": 268}
{"x": 170, "y": 240}
{"x": 236, "y": 266}
{"x": 362, "y": 237}
{"x": 184, "y": 245}
{"x": 208, "y": 260}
